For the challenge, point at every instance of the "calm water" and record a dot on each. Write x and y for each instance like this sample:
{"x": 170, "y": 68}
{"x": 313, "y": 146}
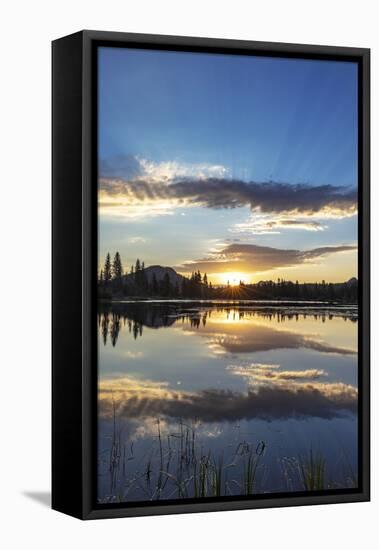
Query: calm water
{"x": 207, "y": 400}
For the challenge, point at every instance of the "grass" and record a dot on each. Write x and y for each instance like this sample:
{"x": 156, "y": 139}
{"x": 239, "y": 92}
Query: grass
{"x": 250, "y": 467}
{"x": 312, "y": 471}
{"x": 176, "y": 466}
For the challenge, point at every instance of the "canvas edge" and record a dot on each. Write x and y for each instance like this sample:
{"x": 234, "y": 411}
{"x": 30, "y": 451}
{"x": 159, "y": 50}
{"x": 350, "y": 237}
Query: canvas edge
{"x": 67, "y": 129}
{"x": 89, "y": 38}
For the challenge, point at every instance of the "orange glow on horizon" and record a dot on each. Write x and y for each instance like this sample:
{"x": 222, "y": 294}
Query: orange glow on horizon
{"x": 233, "y": 278}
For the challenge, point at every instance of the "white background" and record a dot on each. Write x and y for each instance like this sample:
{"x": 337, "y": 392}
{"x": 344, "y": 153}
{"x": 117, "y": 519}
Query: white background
{"x": 26, "y": 31}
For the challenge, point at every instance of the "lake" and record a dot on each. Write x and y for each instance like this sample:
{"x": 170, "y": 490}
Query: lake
{"x": 207, "y": 399}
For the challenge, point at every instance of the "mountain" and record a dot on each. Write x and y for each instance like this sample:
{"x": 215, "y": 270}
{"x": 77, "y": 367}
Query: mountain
{"x": 160, "y": 273}
{"x": 135, "y": 284}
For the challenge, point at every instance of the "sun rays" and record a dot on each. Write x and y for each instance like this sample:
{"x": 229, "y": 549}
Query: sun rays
{"x": 233, "y": 278}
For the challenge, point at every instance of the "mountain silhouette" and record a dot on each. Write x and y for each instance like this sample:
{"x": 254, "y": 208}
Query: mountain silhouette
{"x": 160, "y": 273}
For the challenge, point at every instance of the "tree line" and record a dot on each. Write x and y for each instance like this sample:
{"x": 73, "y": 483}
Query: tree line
{"x": 115, "y": 280}
{"x": 282, "y": 289}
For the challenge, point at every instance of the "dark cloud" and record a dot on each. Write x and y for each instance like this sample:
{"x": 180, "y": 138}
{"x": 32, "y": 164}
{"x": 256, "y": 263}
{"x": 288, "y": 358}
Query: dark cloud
{"x": 216, "y": 193}
{"x": 254, "y": 258}
{"x": 268, "y": 402}
{"x": 269, "y": 197}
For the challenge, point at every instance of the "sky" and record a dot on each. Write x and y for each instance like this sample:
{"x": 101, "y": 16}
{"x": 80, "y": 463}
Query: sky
{"x": 241, "y": 167}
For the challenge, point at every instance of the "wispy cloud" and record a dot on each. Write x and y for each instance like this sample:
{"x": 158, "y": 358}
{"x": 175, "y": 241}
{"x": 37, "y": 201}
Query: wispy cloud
{"x": 256, "y": 372}
{"x": 253, "y": 258}
{"x": 137, "y": 240}
{"x": 132, "y": 168}
{"x": 266, "y": 224}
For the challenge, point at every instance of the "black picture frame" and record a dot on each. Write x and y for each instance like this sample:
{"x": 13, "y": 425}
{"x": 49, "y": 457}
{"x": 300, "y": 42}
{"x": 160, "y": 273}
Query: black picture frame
{"x": 74, "y": 205}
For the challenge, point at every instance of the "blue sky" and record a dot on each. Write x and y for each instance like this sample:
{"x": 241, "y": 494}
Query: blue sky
{"x": 170, "y": 123}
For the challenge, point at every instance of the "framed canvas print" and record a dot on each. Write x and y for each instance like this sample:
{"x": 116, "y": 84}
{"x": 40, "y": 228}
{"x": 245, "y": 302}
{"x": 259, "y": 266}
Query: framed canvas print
{"x": 210, "y": 274}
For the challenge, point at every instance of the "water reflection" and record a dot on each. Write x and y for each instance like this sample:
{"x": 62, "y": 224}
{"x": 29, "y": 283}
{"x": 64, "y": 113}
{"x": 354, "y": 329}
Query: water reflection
{"x": 110, "y": 324}
{"x": 186, "y": 388}
{"x": 136, "y": 315}
{"x": 276, "y": 399}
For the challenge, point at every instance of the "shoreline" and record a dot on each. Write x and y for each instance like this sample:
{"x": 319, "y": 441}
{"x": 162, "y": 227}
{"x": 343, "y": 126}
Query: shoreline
{"x": 298, "y": 303}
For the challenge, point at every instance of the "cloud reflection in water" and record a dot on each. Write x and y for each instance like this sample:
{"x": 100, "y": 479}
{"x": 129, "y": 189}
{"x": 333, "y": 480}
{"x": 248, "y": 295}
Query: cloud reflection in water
{"x": 278, "y": 399}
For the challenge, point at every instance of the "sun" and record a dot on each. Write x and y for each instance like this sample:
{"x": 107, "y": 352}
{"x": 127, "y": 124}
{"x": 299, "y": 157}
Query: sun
{"x": 233, "y": 278}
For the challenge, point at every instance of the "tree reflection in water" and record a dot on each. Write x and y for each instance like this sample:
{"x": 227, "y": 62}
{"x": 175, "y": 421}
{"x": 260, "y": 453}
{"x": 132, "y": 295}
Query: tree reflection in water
{"x": 156, "y": 315}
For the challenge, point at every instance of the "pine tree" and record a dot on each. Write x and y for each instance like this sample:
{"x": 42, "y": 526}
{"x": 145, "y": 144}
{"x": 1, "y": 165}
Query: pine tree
{"x": 140, "y": 276}
{"x": 107, "y": 269}
{"x": 101, "y": 279}
{"x": 117, "y": 266}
